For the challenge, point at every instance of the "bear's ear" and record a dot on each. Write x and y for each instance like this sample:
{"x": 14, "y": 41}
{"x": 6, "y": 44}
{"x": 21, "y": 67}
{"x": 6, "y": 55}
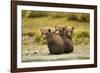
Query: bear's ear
{"x": 64, "y": 28}
{"x": 55, "y": 26}
{"x": 49, "y": 30}
{"x": 72, "y": 28}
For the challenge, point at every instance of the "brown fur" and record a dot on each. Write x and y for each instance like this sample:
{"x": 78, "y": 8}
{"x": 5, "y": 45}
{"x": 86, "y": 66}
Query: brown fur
{"x": 55, "y": 43}
{"x": 66, "y": 35}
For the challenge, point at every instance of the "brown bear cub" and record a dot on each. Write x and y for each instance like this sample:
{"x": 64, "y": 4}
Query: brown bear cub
{"x": 69, "y": 32}
{"x": 55, "y": 43}
{"x": 66, "y": 35}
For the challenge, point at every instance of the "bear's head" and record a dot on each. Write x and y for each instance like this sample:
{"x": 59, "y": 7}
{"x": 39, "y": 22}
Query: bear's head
{"x": 45, "y": 32}
{"x": 60, "y": 30}
{"x": 69, "y": 32}
{"x": 64, "y": 31}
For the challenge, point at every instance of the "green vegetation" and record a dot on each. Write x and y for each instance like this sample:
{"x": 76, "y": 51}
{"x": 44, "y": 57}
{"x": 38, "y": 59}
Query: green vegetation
{"x": 81, "y": 17}
{"x": 81, "y": 37}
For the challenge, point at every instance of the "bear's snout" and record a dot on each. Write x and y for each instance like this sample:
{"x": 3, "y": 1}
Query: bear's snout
{"x": 44, "y": 37}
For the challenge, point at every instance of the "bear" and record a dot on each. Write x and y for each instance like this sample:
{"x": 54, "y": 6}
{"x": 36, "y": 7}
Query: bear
{"x": 64, "y": 31}
{"x": 66, "y": 35}
{"x": 69, "y": 32}
{"x": 55, "y": 43}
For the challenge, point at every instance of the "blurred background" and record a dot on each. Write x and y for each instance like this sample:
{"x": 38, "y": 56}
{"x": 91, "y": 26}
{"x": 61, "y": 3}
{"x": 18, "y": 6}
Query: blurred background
{"x": 33, "y": 21}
